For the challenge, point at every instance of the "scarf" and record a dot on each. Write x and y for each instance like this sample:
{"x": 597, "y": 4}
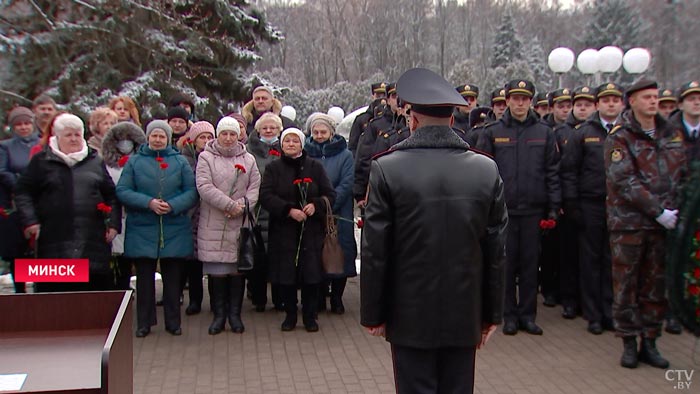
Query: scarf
{"x": 71, "y": 159}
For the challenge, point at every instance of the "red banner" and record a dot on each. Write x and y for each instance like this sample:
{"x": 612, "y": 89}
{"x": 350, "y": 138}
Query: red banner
{"x": 52, "y": 270}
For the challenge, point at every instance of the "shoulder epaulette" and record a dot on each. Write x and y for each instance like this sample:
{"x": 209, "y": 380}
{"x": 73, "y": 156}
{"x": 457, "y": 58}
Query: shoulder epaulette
{"x": 383, "y": 153}
{"x": 614, "y": 130}
{"x": 578, "y": 126}
{"x": 481, "y": 152}
{"x": 490, "y": 124}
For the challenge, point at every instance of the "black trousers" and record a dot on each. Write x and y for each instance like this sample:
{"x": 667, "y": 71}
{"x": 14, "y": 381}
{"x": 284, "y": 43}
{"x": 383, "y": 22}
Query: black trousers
{"x": 171, "y": 271}
{"x": 594, "y": 260}
{"x": 309, "y": 299}
{"x": 522, "y": 252}
{"x": 443, "y": 370}
{"x": 257, "y": 285}
{"x": 550, "y": 256}
{"x": 569, "y": 294}
{"x": 193, "y": 274}
{"x": 123, "y": 277}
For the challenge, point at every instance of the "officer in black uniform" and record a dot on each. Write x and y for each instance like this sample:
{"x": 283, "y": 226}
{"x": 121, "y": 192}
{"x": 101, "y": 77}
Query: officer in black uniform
{"x": 411, "y": 290}
{"x": 559, "y": 107}
{"x": 541, "y": 104}
{"x": 528, "y": 159}
{"x": 498, "y": 105}
{"x": 584, "y": 193}
{"x": 471, "y": 94}
{"x": 687, "y": 118}
{"x": 361, "y": 121}
{"x": 668, "y": 103}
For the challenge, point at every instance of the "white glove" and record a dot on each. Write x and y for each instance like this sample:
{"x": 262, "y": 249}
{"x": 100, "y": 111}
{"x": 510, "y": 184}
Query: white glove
{"x": 668, "y": 219}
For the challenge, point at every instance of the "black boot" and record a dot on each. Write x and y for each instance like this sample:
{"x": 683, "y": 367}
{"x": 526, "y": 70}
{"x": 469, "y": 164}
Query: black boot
{"x": 629, "y": 355}
{"x": 290, "y": 321}
{"x": 649, "y": 354}
{"x": 337, "y": 289}
{"x": 236, "y": 288}
{"x": 310, "y": 295}
{"x": 218, "y": 293}
{"x": 673, "y": 326}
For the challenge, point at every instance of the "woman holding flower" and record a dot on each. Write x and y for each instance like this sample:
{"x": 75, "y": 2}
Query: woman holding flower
{"x": 291, "y": 192}
{"x": 118, "y": 144}
{"x": 227, "y": 176}
{"x": 58, "y": 198}
{"x": 157, "y": 189}
{"x": 263, "y": 143}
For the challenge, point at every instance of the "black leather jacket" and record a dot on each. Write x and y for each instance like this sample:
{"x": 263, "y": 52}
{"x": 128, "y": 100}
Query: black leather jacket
{"x": 433, "y": 254}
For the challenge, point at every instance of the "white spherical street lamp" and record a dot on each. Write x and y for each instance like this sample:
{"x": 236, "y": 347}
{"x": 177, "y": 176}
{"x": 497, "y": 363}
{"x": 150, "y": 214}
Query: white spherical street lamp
{"x": 587, "y": 61}
{"x": 636, "y": 60}
{"x": 609, "y": 59}
{"x": 561, "y": 60}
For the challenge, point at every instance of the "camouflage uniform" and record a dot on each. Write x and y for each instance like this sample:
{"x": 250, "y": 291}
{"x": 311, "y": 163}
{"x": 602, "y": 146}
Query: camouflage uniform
{"x": 642, "y": 178}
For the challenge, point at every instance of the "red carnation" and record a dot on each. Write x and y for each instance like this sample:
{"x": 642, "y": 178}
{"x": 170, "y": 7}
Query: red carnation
{"x": 360, "y": 223}
{"x": 697, "y": 235}
{"x": 308, "y": 180}
{"x": 3, "y": 213}
{"x": 104, "y": 208}
{"x": 159, "y": 159}
{"x": 163, "y": 165}
{"x": 274, "y": 152}
{"x": 694, "y": 290}
{"x": 122, "y": 161}
{"x": 697, "y": 313}
{"x": 189, "y": 142}
{"x": 697, "y": 254}
{"x": 297, "y": 181}
{"x": 240, "y": 168}
{"x": 696, "y": 273}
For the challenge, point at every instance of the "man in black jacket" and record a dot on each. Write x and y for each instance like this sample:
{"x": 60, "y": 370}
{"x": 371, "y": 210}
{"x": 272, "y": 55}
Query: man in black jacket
{"x": 438, "y": 295}
{"x": 528, "y": 160}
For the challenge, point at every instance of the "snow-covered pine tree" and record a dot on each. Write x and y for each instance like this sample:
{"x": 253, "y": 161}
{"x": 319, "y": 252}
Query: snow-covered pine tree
{"x": 84, "y": 52}
{"x": 507, "y": 45}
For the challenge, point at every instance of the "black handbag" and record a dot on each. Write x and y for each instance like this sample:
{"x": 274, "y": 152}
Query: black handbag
{"x": 251, "y": 246}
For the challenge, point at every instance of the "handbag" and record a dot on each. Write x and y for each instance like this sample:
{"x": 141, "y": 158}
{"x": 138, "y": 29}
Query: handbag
{"x": 332, "y": 255}
{"x": 251, "y": 246}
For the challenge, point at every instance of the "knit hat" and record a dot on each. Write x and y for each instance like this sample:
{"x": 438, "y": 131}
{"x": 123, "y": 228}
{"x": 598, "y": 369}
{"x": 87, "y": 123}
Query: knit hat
{"x": 296, "y": 131}
{"x": 199, "y": 128}
{"x": 20, "y": 114}
{"x": 265, "y": 88}
{"x": 228, "y": 123}
{"x": 178, "y": 112}
{"x": 321, "y": 118}
{"x": 241, "y": 120}
{"x": 160, "y": 124}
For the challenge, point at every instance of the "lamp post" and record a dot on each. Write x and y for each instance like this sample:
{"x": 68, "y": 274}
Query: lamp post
{"x": 560, "y": 61}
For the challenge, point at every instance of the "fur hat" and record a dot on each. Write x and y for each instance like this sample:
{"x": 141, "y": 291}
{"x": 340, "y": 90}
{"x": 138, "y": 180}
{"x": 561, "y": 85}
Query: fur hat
{"x": 119, "y": 132}
{"x": 295, "y": 131}
{"x": 228, "y": 123}
{"x": 199, "y": 128}
{"x": 178, "y": 112}
{"x": 163, "y": 125}
{"x": 20, "y": 114}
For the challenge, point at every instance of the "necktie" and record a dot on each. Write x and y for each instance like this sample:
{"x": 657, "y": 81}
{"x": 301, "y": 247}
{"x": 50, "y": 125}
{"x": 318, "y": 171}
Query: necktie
{"x": 694, "y": 134}
{"x": 609, "y": 126}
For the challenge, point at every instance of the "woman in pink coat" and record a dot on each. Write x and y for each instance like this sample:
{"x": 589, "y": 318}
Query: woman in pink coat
{"x": 226, "y": 176}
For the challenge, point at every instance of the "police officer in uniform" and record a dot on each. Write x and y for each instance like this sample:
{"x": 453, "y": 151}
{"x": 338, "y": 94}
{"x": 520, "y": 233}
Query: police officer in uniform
{"x": 645, "y": 162}
{"x": 498, "y": 105}
{"x": 583, "y": 191}
{"x": 461, "y": 125}
{"x": 560, "y": 107}
{"x": 528, "y": 159}
{"x": 667, "y": 102}
{"x": 361, "y": 121}
{"x": 688, "y": 118}
{"x": 410, "y": 291}
{"x": 541, "y": 104}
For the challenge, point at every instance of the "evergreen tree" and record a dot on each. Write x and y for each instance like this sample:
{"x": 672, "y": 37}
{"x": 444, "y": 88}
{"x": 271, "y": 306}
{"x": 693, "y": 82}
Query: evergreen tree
{"x": 84, "y": 52}
{"x": 507, "y": 45}
{"x": 537, "y": 60}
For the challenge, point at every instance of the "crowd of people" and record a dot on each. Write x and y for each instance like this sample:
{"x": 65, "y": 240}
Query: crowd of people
{"x": 581, "y": 170}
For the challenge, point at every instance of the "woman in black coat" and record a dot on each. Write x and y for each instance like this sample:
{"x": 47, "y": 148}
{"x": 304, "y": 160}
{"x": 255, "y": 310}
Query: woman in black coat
{"x": 296, "y": 226}
{"x": 57, "y": 198}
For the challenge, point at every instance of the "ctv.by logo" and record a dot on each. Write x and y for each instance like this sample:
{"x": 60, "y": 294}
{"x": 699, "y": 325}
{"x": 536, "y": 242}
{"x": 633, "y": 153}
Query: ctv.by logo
{"x": 682, "y": 378}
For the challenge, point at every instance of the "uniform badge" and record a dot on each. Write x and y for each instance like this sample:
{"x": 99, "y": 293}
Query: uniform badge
{"x": 667, "y": 93}
{"x": 386, "y": 135}
{"x": 522, "y": 84}
{"x": 501, "y": 140}
{"x": 502, "y": 93}
{"x": 592, "y": 139}
{"x": 585, "y": 89}
{"x": 610, "y": 86}
{"x": 467, "y": 88}
{"x": 565, "y": 91}
{"x": 383, "y": 85}
{"x": 694, "y": 84}
{"x": 616, "y": 155}
{"x": 677, "y": 138}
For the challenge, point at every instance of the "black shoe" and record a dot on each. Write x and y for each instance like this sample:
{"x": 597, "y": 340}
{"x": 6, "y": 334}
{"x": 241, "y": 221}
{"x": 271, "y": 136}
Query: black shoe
{"x": 510, "y": 328}
{"x": 531, "y": 328}
{"x": 193, "y": 309}
{"x": 673, "y": 326}
{"x": 142, "y": 332}
{"x": 175, "y": 332}
{"x": 310, "y": 325}
{"x": 260, "y": 308}
{"x": 649, "y": 354}
{"x": 608, "y": 324}
{"x": 279, "y": 307}
{"x": 595, "y": 328}
{"x": 289, "y": 323}
{"x": 338, "y": 309}
{"x": 630, "y": 357}
{"x": 550, "y": 301}
{"x": 569, "y": 312}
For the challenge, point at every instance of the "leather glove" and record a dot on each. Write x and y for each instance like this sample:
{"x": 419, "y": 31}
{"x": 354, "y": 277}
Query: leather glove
{"x": 668, "y": 219}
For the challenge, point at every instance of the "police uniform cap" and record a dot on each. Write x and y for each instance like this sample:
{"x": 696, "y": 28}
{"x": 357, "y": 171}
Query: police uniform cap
{"x": 520, "y": 86}
{"x": 477, "y": 115}
{"x": 428, "y": 93}
{"x": 667, "y": 95}
{"x": 498, "y": 95}
{"x": 584, "y": 92}
{"x": 688, "y": 88}
{"x": 559, "y": 95}
{"x": 642, "y": 84}
{"x": 609, "y": 89}
{"x": 379, "y": 87}
{"x": 541, "y": 99}
{"x": 468, "y": 90}
{"x": 390, "y": 88}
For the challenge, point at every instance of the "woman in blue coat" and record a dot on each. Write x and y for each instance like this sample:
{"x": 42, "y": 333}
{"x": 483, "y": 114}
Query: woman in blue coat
{"x": 331, "y": 150}
{"x": 157, "y": 188}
